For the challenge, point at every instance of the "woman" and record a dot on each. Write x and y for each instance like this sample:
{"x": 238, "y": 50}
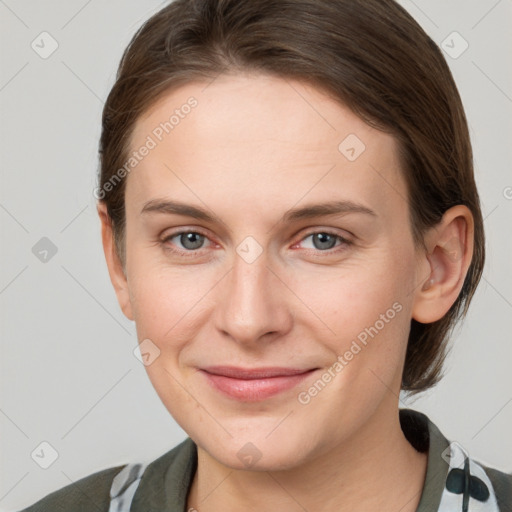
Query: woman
{"x": 289, "y": 215}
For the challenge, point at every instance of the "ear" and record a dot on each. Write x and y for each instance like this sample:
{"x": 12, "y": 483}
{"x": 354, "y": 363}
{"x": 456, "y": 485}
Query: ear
{"x": 115, "y": 267}
{"x": 444, "y": 264}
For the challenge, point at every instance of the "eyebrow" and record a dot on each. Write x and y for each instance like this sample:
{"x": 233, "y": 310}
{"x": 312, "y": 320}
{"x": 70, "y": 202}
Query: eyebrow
{"x": 305, "y": 212}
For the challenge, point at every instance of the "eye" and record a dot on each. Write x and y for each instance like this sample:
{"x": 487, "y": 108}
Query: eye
{"x": 185, "y": 241}
{"x": 323, "y": 241}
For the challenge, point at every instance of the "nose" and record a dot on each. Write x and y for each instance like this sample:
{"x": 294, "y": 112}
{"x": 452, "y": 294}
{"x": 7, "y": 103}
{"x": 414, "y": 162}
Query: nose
{"x": 254, "y": 305}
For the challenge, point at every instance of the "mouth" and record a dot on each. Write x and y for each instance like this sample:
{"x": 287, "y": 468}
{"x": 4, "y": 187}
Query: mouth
{"x": 254, "y": 384}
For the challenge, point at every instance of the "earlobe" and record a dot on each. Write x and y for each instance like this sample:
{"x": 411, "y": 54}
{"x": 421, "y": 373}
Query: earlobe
{"x": 114, "y": 265}
{"x": 449, "y": 249}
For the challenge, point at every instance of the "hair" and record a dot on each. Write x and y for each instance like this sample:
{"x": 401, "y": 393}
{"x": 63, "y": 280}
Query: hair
{"x": 370, "y": 55}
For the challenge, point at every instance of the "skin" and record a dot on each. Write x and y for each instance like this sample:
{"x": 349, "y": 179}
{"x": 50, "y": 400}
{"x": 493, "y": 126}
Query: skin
{"x": 254, "y": 148}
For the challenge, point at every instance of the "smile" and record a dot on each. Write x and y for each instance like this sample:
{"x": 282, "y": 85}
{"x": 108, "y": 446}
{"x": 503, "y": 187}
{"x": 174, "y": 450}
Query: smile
{"x": 253, "y": 385}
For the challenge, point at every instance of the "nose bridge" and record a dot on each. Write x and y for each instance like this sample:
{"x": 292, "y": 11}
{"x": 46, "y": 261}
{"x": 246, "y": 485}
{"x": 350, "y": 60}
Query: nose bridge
{"x": 252, "y": 306}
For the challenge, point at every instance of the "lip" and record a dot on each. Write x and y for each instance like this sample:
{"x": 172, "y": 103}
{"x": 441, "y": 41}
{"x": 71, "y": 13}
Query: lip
{"x": 254, "y": 384}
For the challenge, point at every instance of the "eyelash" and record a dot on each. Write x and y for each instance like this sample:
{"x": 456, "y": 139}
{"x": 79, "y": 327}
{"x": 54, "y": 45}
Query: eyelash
{"x": 182, "y": 252}
{"x": 193, "y": 252}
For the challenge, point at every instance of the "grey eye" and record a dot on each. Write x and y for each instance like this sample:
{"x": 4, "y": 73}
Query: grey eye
{"x": 323, "y": 240}
{"x": 191, "y": 240}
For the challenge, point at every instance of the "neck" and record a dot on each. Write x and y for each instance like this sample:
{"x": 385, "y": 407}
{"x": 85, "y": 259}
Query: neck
{"x": 375, "y": 469}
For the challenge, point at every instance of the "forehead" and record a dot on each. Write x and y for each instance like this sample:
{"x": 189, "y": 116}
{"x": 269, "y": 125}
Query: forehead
{"x": 265, "y": 142}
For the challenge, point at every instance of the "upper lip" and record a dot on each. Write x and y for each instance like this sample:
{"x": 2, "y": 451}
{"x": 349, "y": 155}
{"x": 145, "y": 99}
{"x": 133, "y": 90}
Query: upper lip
{"x": 253, "y": 373}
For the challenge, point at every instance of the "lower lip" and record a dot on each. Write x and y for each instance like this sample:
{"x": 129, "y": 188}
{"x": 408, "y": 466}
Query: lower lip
{"x": 254, "y": 390}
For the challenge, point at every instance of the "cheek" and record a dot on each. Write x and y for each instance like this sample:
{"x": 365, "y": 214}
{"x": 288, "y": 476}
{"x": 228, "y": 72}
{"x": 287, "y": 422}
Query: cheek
{"x": 166, "y": 308}
{"x": 354, "y": 298}
{"x": 362, "y": 314}
{"x": 162, "y": 301}
{"x": 170, "y": 306}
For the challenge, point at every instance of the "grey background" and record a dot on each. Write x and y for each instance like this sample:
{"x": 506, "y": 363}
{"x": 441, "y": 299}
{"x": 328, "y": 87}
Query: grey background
{"x": 68, "y": 373}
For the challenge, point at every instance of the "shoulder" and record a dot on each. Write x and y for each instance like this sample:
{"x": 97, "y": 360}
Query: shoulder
{"x": 487, "y": 487}
{"x": 91, "y": 493}
{"x": 453, "y": 476}
{"x": 483, "y": 487}
{"x": 502, "y": 485}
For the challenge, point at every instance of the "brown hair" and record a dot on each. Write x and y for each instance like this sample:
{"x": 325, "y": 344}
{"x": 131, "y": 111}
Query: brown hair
{"x": 368, "y": 54}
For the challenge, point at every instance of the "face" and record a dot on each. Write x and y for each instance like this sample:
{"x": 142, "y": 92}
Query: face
{"x": 270, "y": 267}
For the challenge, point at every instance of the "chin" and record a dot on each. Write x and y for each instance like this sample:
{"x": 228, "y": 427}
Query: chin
{"x": 257, "y": 453}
